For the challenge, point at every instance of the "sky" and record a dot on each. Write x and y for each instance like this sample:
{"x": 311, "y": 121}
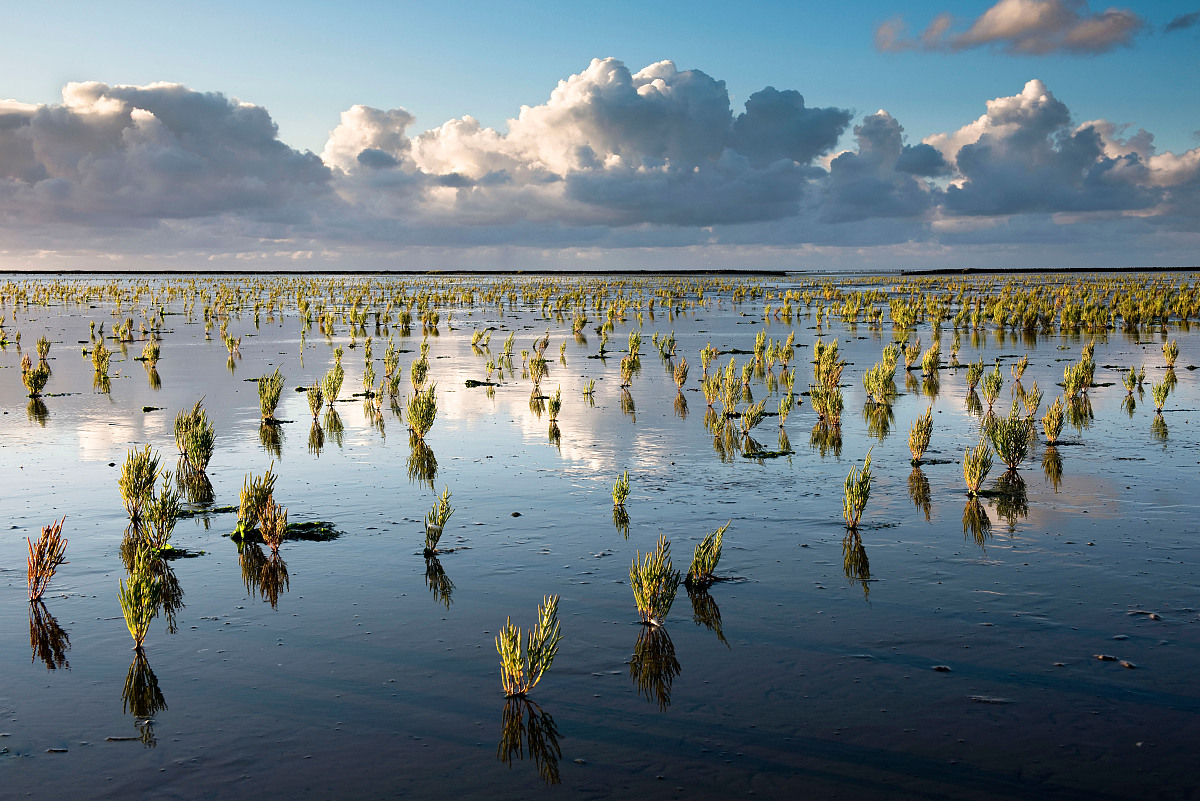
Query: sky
{"x": 529, "y": 135}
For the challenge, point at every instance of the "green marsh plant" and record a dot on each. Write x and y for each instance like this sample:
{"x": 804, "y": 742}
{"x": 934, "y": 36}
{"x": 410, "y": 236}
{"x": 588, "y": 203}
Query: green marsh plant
{"x": 857, "y": 491}
{"x": 919, "y": 435}
{"x": 435, "y": 522}
{"x": 977, "y": 463}
{"x": 521, "y": 669}
{"x": 702, "y": 572}
{"x": 654, "y": 582}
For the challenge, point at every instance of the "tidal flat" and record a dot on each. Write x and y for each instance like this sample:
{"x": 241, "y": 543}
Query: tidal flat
{"x": 1037, "y": 638}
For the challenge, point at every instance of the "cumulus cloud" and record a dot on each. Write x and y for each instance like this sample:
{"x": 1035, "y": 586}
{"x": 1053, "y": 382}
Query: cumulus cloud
{"x": 609, "y": 147}
{"x": 652, "y": 161}
{"x": 881, "y": 178}
{"x": 1026, "y": 27}
{"x": 128, "y": 153}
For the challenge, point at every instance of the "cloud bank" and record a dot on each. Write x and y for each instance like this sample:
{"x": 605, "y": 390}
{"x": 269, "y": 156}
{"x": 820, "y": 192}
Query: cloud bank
{"x": 654, "y": 167}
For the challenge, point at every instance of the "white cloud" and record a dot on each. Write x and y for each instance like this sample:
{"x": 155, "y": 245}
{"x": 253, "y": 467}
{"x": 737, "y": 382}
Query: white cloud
{"x": 615, "y": 161}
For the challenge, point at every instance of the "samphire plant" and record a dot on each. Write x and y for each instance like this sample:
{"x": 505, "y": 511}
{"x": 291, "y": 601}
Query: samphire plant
{"x": 976, "y": 465}
{"x": 45, "y": 556}
{"x": 620, "y": 490}
{"x": 654, "y": 581}
{"x": 270, "y": 387}
{"x": 1010, "y": 437}
{"x": 1052, "y": 420}
{"x": 857, "y": 491}
{"x": 256, "y": 494}
{"x": 435, "y": 522}
{"x": 702, "y": 572}
{"x": 520, "y": 671}
{"x": 136, "y": 482}
{"x": 422, "y": 411}
{"x": 920, "y": 434}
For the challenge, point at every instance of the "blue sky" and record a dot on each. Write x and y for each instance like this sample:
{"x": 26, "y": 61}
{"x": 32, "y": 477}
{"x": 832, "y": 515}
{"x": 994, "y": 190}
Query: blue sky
{"x": 304, "y": 64}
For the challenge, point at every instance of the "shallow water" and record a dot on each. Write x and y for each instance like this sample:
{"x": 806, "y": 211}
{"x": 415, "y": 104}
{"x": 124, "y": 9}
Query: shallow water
{"x": 362, "y": 681}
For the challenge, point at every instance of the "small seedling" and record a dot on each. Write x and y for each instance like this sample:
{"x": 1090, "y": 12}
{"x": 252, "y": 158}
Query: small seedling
{"x": 976, "y": 465}
{"x": 702, "y": 572}
{"x": 45, "y": 556}
{"x": 621, "y": 489}
{"x": 920, "y": 434}
{"x": 270, "y": 387}
{"x": 1159, "y": 393}
{"x": 1052, "y": 420}
{"x": 520, "y": 672}
{"x": 435, "y": 522}
{"x": 857, "y": 491}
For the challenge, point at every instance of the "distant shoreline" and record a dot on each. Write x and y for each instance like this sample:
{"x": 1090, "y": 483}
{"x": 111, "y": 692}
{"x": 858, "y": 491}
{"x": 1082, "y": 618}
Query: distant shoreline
{"x": 1045, "y": 270}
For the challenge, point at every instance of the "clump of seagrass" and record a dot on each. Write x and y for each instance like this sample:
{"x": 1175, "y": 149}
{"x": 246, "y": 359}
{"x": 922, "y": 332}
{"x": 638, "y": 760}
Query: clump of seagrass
{"x": 620, "y": 491}
{"x": 422, "y": 411}
{"x": 1170, "y": 352}
{"x": 270, "y": 387}
{"x": 45, "y": 556}
{"x": 34, "y": 378}
{"x": 857, "y": 491}
{"x": 654, "y": 581}
{"x": 256, "y": 494}
{"x": 1052, "y": 421}
{"x": 435, "y": 522}
{"x": 272, "y": 524}
{"x": 976, "y": 465}
{"x": 1159, "y": 393}
{"x": 136, "y": 482}
{"x": 919, "y": 435}
{"x": 702, "y": 572}
{"x": 520, "y": 671}
{"x": 195, "y": 437}
{"x": 140, "y": 595}
{"x": 1010, "y": 437}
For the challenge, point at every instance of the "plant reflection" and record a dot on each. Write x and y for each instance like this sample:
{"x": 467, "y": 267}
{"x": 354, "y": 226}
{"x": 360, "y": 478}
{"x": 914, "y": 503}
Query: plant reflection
{"x": 438, "y": 582}
{"x": 316, "y": 438}
{"x": 974, "y": 405}
{"x": 826, "y": 440}
{"x": 1052, "y": 466}
{"x": 681, "y": 406}
{"x": 628, "y": 408}
{"x": 976, "y": 523}
{"x": 422, "y": 463}
{"x": 1129, "y": 405}
{"x": 1079, "y": 413}
{"x": 524, "y": 727}
{"x": 919, "y": 491}
{"x": 37, "y": 411}
{"x": 334, "y": 426}
{"x": 155, "y": 380}
{"x": 1012, "y": 499}
{"x": 855, "y": 563}
{"x": 142, "y": 697}
{"x": 271, "y": 437}
{"x": 555, "y": 436}
{"x": 931, "y": 386}
{"x": 705, "y": 612}
{"x": 653, "y": 666}
{"x": 265, "y": 575}
{"x": 621, "y": 520}
{"x": 880, "y": 418}
{"x": 1158, "y": 427}
{"x": 47, "y": 639}
{"x": 194, "y": 484}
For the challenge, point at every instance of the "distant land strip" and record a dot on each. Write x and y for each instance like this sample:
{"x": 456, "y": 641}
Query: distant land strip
{"x": 1045, "y": 270}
